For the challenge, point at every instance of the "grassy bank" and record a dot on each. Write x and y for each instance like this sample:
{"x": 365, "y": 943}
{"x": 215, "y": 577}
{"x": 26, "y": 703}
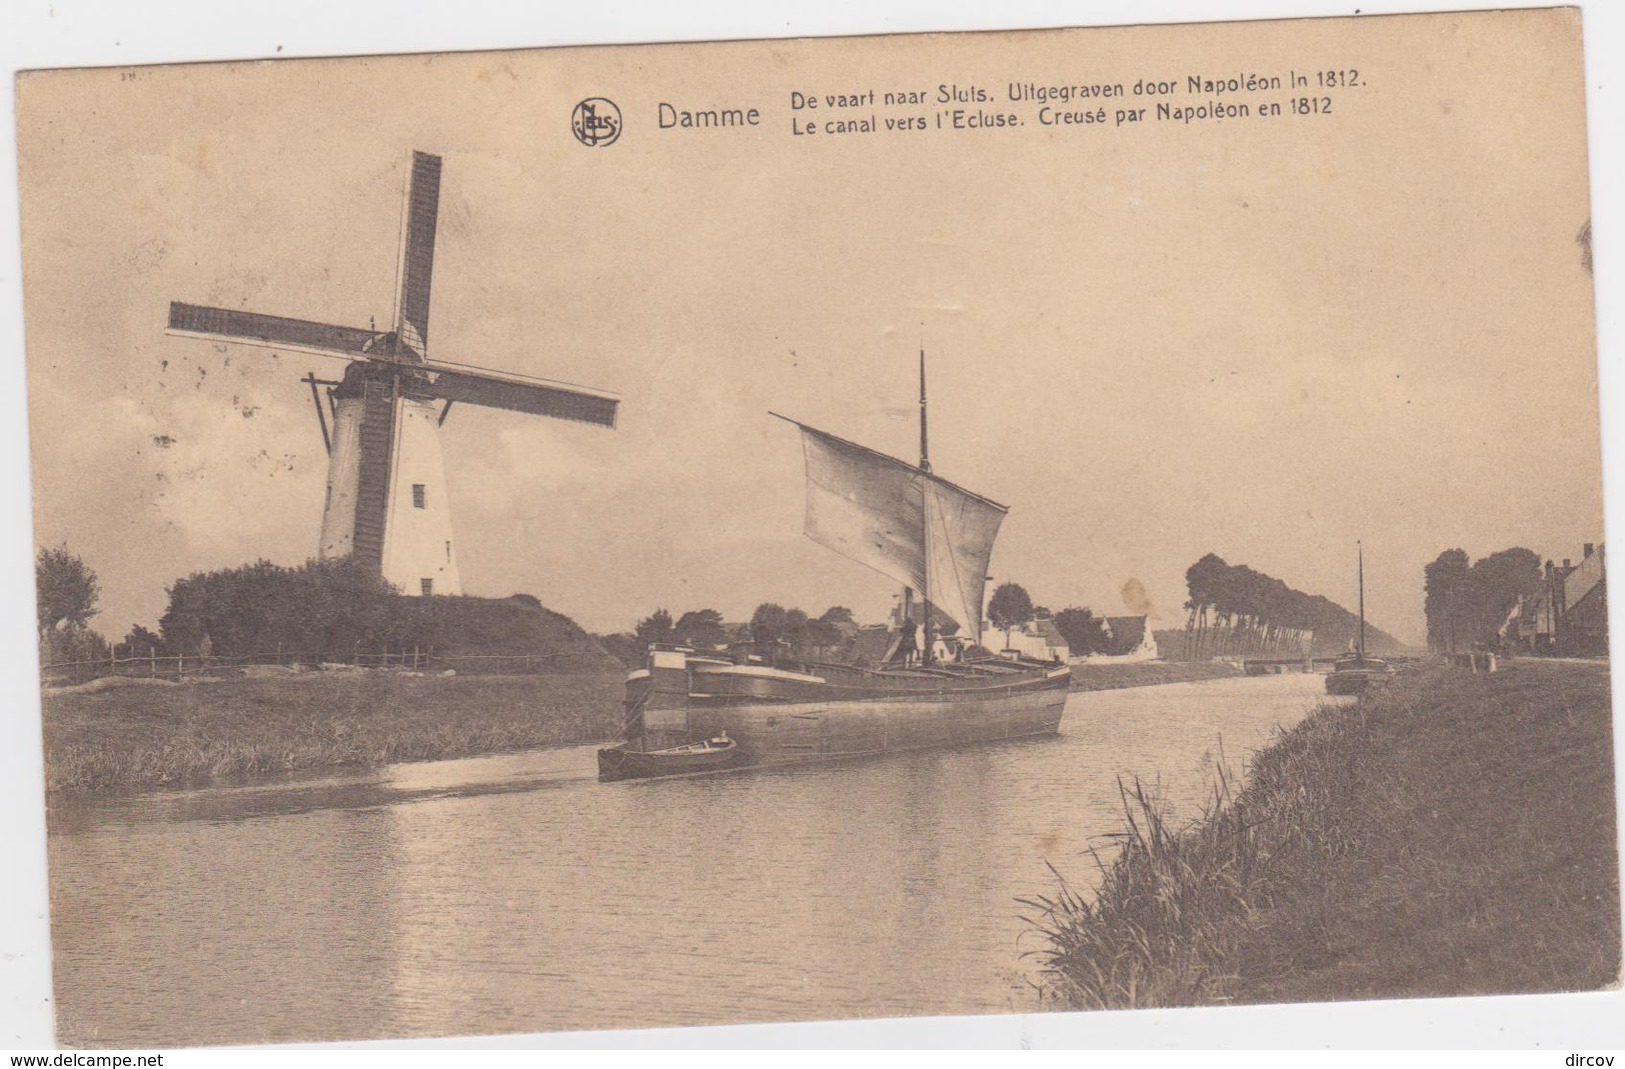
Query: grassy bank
{"x": 1453, "y": 835}
{"x": 1147, "y": 674}
{"x": 140, "y": 734}
{"x": 150, "y": 736}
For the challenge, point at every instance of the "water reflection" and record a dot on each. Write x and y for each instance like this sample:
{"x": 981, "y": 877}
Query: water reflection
{"x": 515, "y": 893}
{"x": 201, "y": 931}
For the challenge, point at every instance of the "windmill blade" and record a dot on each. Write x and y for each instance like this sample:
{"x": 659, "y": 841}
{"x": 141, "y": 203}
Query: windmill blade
{"x": 270, "y": 332}
{"x": 417, "y": 253}
{"x": 516, "y": 393}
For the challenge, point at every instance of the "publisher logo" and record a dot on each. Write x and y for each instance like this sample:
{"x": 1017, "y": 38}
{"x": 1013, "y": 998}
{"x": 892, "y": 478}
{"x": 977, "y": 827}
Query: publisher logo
{"x": 596, "y": 122}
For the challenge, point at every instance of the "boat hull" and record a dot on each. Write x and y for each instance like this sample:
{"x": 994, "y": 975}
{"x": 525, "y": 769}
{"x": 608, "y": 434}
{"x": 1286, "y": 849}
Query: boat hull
{"x": 617, "y": 763}
{"x": 1356, "y": 681}
{"x": 794, "y": 730}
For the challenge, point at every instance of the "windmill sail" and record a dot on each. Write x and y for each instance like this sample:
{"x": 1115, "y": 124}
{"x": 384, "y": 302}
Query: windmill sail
{"x": 903, "y": 522}
{"x": 422, "y": 213}
{"x": 272, "y": 332}
{"x": 517, "y": 393}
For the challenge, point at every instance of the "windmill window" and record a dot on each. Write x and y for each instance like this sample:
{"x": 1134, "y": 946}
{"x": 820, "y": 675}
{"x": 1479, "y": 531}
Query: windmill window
{"x": 448, "y": 552}
{"x": 419, "y": 497}
{"x": 428, "y": 587}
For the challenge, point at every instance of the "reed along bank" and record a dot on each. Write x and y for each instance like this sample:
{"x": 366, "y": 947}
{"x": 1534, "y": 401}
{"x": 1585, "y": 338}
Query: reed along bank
{"x": 1453, "y": 834}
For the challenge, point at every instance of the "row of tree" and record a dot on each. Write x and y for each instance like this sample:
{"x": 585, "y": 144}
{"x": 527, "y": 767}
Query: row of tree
{"x": 776, "y": 630}
{"x": 772, "y": 628}
{"x": 1466, "y": 604}
{"x": 1236, "y": 609}
{"x": 328, "y": 609}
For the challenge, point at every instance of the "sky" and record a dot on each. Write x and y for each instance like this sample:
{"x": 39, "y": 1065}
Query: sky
{"x": 1264, "y": 339}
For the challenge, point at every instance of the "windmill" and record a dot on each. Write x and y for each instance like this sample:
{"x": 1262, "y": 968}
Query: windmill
{"x": 386, "y": 502}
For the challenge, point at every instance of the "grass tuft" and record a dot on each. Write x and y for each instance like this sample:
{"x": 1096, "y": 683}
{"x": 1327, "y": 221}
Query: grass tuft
{"x": 1451, "y": 835}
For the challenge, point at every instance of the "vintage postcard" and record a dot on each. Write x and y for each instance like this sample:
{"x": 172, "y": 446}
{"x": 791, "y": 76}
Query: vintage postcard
{"x": 790, "y": 530}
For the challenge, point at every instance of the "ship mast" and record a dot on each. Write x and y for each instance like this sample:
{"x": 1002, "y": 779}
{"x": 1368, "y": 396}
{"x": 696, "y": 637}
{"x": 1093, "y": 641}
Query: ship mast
{"x": 925, "y": 523}
{"x": 1360, "y": 549}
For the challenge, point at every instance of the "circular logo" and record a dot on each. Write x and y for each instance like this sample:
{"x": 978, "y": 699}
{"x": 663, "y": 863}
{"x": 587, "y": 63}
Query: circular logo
{"x": 596, "y": 122}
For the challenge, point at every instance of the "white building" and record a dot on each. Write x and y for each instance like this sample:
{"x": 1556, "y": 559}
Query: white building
{"x": 1038, "y": 639}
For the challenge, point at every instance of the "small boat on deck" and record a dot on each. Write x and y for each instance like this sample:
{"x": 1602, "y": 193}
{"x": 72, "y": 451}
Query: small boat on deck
{"x": 910, "y": 525}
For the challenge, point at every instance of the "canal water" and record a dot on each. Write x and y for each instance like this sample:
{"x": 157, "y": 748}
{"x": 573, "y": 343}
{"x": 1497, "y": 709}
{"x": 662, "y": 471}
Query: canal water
{"x": 515, "y": 893}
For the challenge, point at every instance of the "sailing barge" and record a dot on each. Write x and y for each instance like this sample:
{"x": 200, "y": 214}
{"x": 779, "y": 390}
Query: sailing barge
{"x": 693, "y": 711}
{"x": 1355, "y": 673}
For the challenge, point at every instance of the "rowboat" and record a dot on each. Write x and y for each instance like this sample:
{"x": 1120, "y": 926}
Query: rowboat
{"x": 711, "y": 755}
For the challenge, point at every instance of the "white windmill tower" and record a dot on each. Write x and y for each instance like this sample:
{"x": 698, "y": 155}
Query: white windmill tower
{"x": 386, "y": 499}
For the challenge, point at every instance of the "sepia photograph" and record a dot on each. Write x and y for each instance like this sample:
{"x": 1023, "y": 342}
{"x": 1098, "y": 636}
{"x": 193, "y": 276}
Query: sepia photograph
{"x": 834, "y": 526}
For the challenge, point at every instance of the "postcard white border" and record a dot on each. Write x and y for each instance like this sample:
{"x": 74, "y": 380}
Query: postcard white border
{"x": 58, "y": 33}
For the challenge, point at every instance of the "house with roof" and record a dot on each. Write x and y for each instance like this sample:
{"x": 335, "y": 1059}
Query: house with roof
{"x": 1038, "y": 639}
{"x": 1568, "y": 613}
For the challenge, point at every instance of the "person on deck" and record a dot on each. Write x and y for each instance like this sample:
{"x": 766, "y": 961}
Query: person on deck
{"x": 908, "y": 648}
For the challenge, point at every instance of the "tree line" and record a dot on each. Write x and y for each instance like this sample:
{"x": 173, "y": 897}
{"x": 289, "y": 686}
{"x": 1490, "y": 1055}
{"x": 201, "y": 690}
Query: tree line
{"x": 1234, "y": 608}
{"x": 1466, "y": 604}
{"x": 829, "y": 636}
{"x": 772, "y": 627}
{"x": 329, "y": 609}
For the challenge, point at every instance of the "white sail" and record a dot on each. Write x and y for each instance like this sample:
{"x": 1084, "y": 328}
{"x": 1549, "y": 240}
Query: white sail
{"x": 905, "y": 523}
{"x": 961, "y": 528}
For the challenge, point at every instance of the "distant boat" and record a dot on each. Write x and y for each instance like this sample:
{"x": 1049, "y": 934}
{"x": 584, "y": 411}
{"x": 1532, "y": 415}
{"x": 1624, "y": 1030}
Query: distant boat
{"x": 910, "y": 525}
{"x": 1355, "y": 672}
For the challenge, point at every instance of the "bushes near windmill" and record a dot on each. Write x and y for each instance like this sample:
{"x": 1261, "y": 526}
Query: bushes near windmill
{"x": 332, "y": 610}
